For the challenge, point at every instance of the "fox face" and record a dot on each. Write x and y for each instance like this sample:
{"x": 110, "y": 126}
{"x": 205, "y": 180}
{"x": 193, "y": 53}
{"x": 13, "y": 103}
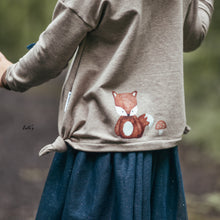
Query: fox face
{"x": 126, "y": 103}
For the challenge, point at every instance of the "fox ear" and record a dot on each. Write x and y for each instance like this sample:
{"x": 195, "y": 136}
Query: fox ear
{"x": 114, "y": 93}
{"x": 134, "y": 93}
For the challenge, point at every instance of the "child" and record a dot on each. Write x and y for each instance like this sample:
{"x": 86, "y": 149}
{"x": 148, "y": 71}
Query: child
{"x": 122, "y": 109}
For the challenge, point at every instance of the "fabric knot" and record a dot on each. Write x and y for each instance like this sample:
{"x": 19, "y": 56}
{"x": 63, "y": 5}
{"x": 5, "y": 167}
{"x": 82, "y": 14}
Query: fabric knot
{"x": 59, "y": 145}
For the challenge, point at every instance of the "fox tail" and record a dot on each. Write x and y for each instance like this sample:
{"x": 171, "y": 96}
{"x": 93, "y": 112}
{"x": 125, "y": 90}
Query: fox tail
{"x": 146, "y": 120}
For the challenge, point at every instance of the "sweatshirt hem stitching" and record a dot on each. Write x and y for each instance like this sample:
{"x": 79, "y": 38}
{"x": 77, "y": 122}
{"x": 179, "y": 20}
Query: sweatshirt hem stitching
{"x": 116, "y": 147}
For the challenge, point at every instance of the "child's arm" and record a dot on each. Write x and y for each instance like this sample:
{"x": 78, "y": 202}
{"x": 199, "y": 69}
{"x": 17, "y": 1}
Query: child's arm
{"x": 52, "y": 52}
{"x": 4, "y": 65}
{"x": 197, "y": 23}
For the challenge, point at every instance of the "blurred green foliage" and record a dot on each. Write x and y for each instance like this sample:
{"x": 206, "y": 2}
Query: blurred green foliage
{"x": 202, "y": 91}
{"x": 21, "y": 22}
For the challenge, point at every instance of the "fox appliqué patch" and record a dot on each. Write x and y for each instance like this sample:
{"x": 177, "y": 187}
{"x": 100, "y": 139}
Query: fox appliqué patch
{"x": 129, "y": 125}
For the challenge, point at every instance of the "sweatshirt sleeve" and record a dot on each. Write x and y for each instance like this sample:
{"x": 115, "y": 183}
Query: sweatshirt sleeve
{"x": 51, "y": 53}
{"x": 197, "y": 23}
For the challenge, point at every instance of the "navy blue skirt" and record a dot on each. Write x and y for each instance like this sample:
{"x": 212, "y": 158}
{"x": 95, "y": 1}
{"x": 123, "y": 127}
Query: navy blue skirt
{"x": 144, "y": 185}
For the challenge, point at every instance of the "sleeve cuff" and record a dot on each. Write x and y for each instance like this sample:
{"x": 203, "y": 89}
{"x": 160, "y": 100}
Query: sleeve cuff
{"x": 4, "y": 82}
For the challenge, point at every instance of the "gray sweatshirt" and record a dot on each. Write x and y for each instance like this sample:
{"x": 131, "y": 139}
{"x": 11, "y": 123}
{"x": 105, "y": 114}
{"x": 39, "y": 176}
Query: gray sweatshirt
{"x": 124, "y": 88}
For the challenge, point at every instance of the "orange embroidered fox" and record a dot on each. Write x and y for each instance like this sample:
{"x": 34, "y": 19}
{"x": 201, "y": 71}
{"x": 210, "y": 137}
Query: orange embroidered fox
{"x": 129, "y": 125}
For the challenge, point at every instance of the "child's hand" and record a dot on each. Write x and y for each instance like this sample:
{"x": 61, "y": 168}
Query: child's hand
{"x": 4, "y": 64}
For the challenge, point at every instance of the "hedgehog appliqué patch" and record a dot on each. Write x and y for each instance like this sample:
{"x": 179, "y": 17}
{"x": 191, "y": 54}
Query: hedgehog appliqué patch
{"x": 129, "y": 125}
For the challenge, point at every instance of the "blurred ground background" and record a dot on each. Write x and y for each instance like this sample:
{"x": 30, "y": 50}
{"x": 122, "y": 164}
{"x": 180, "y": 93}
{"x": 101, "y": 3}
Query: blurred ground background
{"x": 23, "y": 173}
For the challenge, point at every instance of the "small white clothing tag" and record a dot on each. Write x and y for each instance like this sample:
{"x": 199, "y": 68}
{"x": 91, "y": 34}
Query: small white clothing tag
{"x": 67, "y": 101}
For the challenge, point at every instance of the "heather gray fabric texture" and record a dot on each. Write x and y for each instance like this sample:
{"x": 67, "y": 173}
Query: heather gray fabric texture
{"x": 126, "y": 79}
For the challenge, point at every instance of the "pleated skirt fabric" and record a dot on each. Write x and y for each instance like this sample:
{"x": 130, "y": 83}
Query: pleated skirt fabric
{"x": 144, "y": 185}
